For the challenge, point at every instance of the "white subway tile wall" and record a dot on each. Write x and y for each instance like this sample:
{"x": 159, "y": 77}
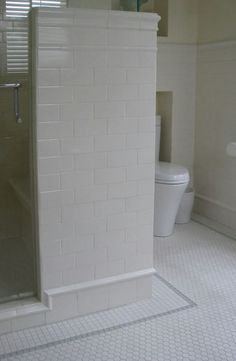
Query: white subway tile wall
{"x": 95, "y": 116}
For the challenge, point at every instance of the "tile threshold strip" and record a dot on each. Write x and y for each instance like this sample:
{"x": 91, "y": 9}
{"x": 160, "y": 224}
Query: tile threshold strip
{"x": 108, "y": 329}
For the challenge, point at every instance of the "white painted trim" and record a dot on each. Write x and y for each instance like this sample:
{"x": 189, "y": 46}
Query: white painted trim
{"x": 99, "y": 282}
{"x": 217, "y": 44}
{"x": 213, "y": 201}
{"x": 220, "y": 228}
{"x": 21, "y": 310}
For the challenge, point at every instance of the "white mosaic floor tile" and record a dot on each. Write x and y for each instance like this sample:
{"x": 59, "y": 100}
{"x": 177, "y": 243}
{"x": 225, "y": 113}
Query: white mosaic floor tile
{"x": 165, "y": 299}
{"x": 197, "y": 261}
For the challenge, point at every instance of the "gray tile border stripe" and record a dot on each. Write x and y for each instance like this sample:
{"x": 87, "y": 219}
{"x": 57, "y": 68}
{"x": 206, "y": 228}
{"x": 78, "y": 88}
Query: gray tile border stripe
{"x": 108, "y": 329}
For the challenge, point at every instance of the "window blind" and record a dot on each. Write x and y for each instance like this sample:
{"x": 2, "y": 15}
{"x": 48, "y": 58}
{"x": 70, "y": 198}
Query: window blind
{"x": 17, "y": 37}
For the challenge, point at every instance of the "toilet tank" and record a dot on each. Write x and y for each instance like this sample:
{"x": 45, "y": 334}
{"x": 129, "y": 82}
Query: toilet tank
{"x": 158, "y": 136}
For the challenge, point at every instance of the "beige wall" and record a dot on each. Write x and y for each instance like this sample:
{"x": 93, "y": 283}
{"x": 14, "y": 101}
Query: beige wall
{"x": 215, "y": 172}
{"x": 183, "y": 21}
{"x": 217, "y": 20}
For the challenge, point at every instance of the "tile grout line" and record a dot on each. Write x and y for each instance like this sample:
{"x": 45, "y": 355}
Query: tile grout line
{"x": 107, "y": 329}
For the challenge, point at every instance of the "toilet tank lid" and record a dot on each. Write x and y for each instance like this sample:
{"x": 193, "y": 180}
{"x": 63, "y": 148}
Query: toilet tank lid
{"x": 171, "y": 173}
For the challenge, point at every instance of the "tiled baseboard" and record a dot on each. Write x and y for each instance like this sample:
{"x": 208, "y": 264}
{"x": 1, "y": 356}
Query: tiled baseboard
{"x": 72, "y": 301}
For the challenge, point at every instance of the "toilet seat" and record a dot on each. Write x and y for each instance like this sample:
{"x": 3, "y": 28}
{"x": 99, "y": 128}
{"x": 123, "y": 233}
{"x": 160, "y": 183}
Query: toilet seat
{"x": 170, "y": 173}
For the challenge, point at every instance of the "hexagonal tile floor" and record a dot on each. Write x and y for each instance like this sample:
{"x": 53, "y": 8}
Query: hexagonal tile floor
{"x": 200, "y": 264}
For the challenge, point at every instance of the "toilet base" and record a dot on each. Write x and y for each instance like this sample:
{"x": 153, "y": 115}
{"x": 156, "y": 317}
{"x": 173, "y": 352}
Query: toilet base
{"x": 167, "y": 201}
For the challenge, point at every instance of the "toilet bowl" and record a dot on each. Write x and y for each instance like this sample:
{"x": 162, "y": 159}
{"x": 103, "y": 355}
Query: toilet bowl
{"x": 171, "y": 181}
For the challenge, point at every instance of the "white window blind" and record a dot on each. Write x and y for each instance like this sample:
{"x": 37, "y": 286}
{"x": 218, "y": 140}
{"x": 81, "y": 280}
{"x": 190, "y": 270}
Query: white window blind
{"x": 17, "y": 38}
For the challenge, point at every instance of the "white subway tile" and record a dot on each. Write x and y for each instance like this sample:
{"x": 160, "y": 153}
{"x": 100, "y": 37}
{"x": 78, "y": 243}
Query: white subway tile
{"x": 145, "y": 217}
{"x": 92, "y": 257}
{"x": 58, "y": 263}
{"x": 50, "y": 216}
{"x": 122, "y": 293}
{"x": 52, "y": 279}
{"x": 144, "y": 287}
{"x": 147, "y": 92}
{"x": 75, "y": 145}
{"x": 118, "y": 251}
{"x": 81, "y": 76}
{"x": 55, "y": 94}
{"x": 141, "y": 75}
{"x": 60, "y": 310}
{"x": 141, "y": 172}
{"x": 77, "y": 275}
{"x": 90, "y": 225}
{"x": 109, "y": 142}
{"x": 140, "y": 108}
{"x": 109, "y": 109}
{"x": 123, "y": 37}
{"x": 122, "y": 125}
{"x": 146, "y": 156}
{"x": 48, "y": 148}
{"x": 122, "y": 190}
{"x": 109, "y": 175}
{"x": 52, "y": 130}
{"x": 50, "y": 232}
{"x": 77, "y": 179}
{"x": 147, "y": 124}
{"x": 90, "y": 58}
{"x": 96, "y": 18}
{"x": 120, "y": 221}
{"x": 90, "y": 160}
{"x": 74, "y": 212}
{"x": 76, "y": 111}
{"x": 145, "y": 245}
{"x": 122, "y": 158}
{"x": 27, "y": 321}
{"x": 146, "y": 186}
{"x": 109, "y": 75}
{"x": 55, "y": 199}
{"x": 91, "y": 193}
{"x": 53, "y": 35}
{"x": 88, "y": 36}
{"x": 86, "y": 299}
{"x": 105, "y": 208}
{"x": 138, "y": 262}
{"x": 48, "y": 112}
{"x": 125, "y": 92}
{"x": 139, "y": 233}
{"x": 139, "y": 203}
{"x": 109, "y": 269}
{"x": 55, "y": 58}
{"x": 123, "y": 58}
{"x": 141, "y": 140}
{"x": 91, "y": 93}
{"x": 77, "y": 244}
{"x": 49, "y": 182}
{"x": 50, "y": 248}
{"x": 87, "y": 127}
{"x": 103, "y": 239}
{"x": 48, "y": 77}
{"x": 55, "y": 164}
{"x": 147, "y": 58}
{"x": 147, "y": 39}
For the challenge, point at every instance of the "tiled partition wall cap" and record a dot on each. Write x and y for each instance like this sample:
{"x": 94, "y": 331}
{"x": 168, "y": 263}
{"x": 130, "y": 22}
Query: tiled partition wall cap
{"x": 95, "y": 91}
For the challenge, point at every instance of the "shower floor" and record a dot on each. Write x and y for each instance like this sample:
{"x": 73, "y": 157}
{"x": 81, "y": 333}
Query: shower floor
{"x": 16, "y": 275}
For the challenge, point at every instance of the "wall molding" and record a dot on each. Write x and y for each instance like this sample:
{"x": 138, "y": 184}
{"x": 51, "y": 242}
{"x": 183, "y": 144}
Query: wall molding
{"x": 216, "y": 226}
{"x": 216, "y": 212}
{"x": 49, "y": 294}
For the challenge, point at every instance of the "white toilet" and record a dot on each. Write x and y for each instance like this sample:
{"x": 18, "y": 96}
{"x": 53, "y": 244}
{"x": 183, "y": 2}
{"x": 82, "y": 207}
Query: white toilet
{"x": 171, "y": 181}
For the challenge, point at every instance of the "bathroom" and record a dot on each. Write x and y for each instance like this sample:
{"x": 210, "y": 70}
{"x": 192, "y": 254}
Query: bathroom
{"x": 56, "y": 181}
